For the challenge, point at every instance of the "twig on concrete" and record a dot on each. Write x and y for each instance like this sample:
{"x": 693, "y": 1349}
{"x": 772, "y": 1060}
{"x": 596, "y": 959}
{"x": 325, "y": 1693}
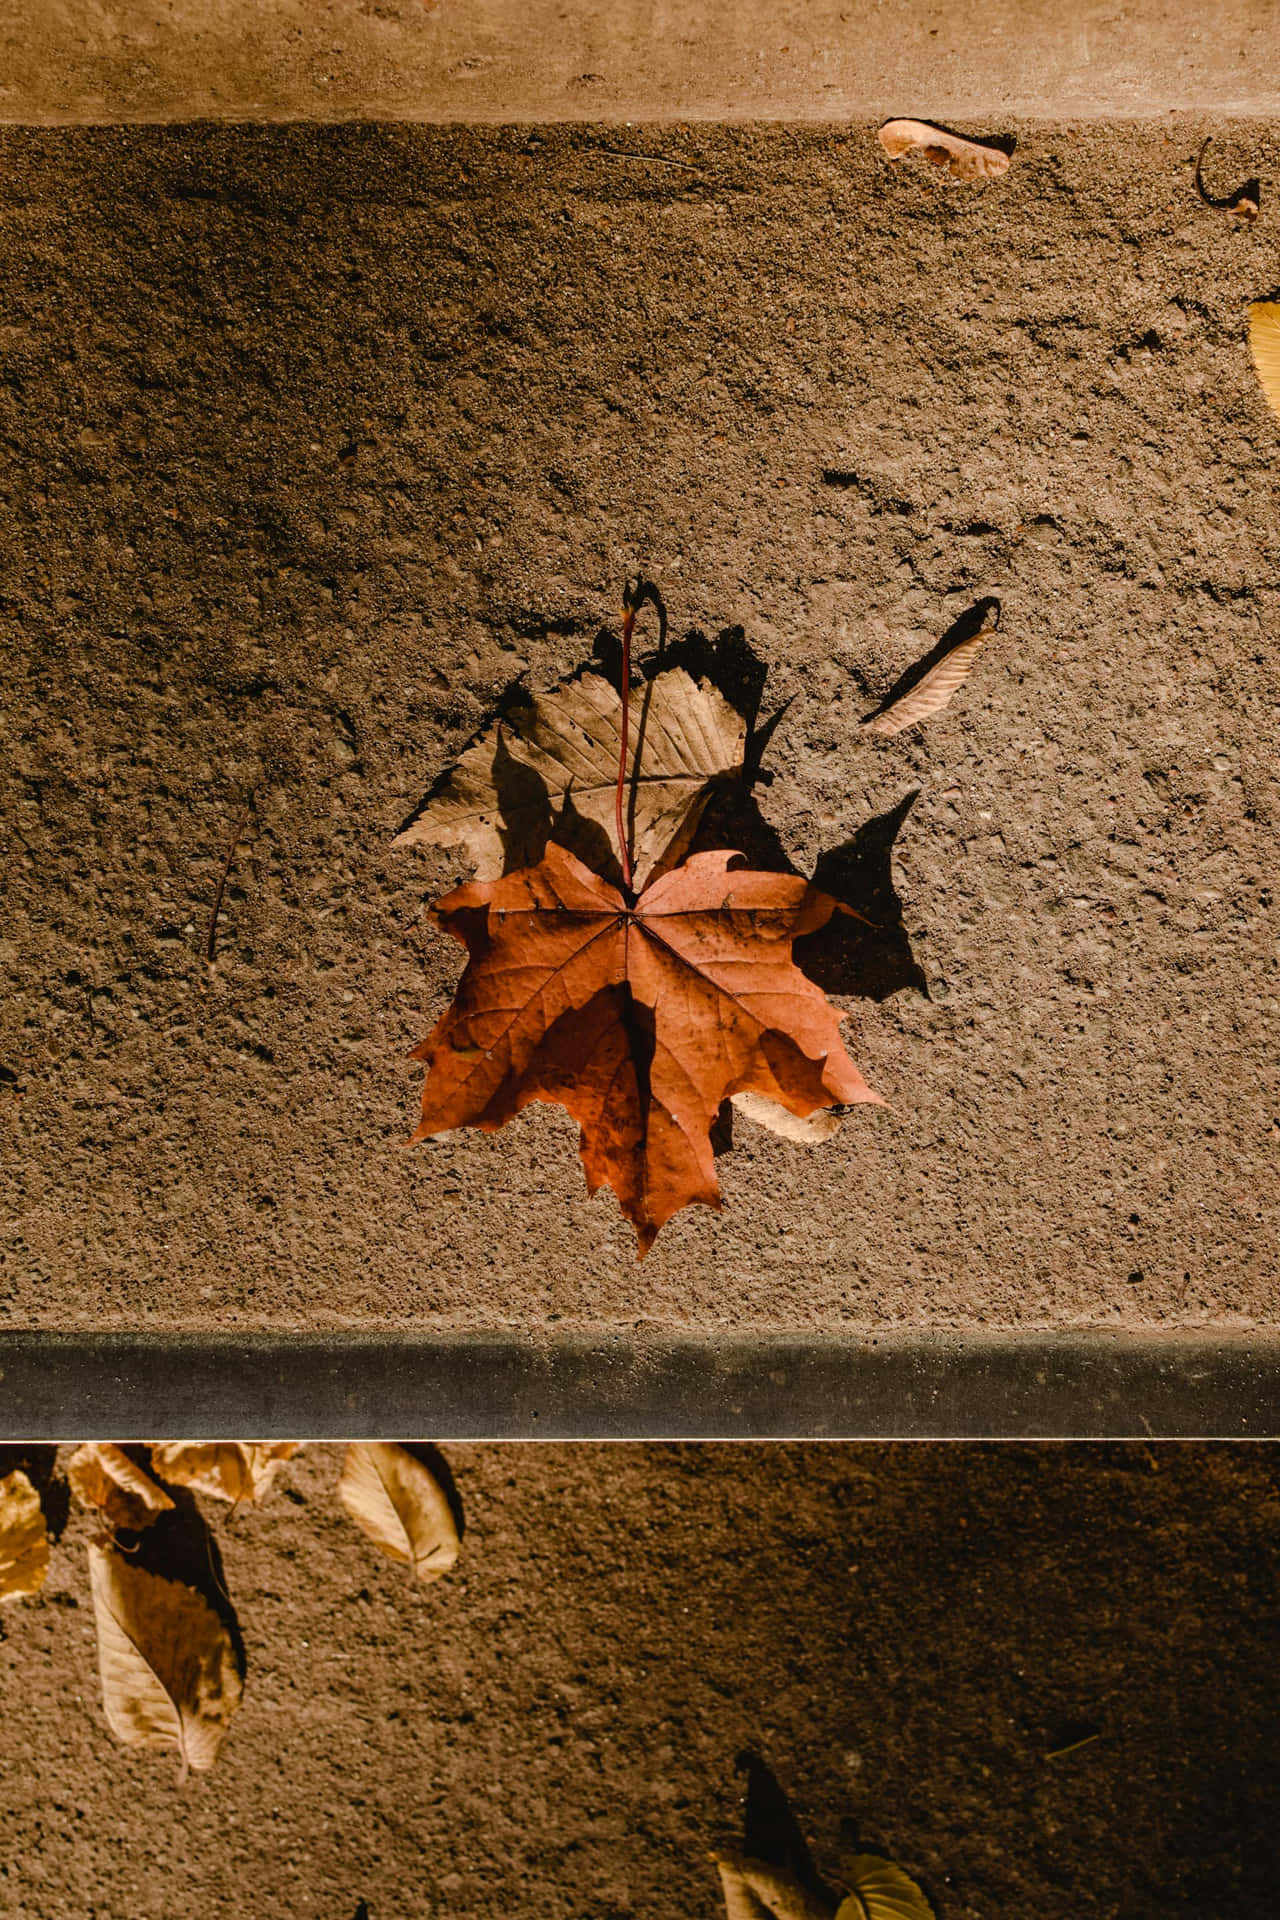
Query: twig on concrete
{"x": 1243, "y": 203}
{"x": 211, "y": 941}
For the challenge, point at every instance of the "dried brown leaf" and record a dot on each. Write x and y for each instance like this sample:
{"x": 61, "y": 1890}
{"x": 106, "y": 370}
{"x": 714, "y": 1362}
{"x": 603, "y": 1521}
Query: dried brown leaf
{"x": 807, "y": 1130}
{"x": 966, "y": 159}
{"x": 552, "y": 766}
{"x": 228, "y": 1470}
{"x": 24, "y": 1538}
{"x": 640, "y": 1019}
{"x": 879, "y": 1890}
{"x": 1264, "y": 345}
{"x": 103, "y": 1477}
{"x": 401, "y": 1505}
{"x": 772, "y": 1888}
{"x": 932, "y": 693}
{"x": 170, "y": 1678}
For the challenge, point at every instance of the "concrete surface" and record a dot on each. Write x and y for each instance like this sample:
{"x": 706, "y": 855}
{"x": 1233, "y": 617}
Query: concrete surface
{"x": 71, "y": 61}
{"x": 1041, "y": 1678}
{"x": 317, "y": 438}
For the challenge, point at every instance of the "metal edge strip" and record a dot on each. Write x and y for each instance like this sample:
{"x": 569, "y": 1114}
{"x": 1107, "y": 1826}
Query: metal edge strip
{"x": 639, "y": 1386}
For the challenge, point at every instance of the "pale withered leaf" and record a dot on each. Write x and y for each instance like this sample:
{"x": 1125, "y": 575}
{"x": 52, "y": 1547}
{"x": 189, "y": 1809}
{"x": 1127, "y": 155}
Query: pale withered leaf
{"x": 103, "y": 1477}
{"x": 806, "y": 1130}
{"x": 879, "y": 1890}
{"x": 24, "y": 1538}
{"x": 966, "y": 159}
{"x": 739, "y": 1901}
{"x": 228, "y": 1470}
{"x": 401, "y": 1505}
{"x": 1264, "y": 345}
{"x": 773, "y": 1888}
{"x": 170, "y": 1677}
{"x": 550, "y": 770}
{"x": 932, "y": 693}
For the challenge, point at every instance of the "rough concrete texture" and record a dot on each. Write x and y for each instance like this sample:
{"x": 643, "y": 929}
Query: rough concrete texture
{"x": 315, "y": 440}
{"x": 69, "y": 61}
{"x": 1040, "y": 1678}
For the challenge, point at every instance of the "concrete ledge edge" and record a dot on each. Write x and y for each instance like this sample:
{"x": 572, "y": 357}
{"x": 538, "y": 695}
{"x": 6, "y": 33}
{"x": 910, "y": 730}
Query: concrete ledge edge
{"x": 593, "y": 1385}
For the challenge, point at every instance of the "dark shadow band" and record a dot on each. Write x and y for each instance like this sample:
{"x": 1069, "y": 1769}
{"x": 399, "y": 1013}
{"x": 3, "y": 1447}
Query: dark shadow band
{"x": 638, "y": 1386}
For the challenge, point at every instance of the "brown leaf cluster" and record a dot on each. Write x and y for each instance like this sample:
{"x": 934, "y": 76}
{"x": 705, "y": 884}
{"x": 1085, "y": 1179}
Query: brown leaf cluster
{"x": 168, "y": 1651}
{"x": 640, "y": 1012}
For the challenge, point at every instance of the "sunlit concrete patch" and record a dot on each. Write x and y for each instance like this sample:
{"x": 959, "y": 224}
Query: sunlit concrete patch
{"x": 82, "y": 61}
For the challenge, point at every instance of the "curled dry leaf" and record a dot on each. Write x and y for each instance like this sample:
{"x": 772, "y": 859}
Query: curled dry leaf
{"x": 751, "y": 1885}
{"x": 170, "y": 1677}
{"x": 807, "y": 1130}
{"x": 879, "y": 1890}
{"x": 401, "y": 1505}
{"x": 1264, "y": 345}
{"x": 24, "y": 1538}
{"x": 227, "y": 1470}
{"x": 966, "y": 159}
{"x": 639, "y": 1020}
{"x": 552, "y": 767}
{"x": 932, "y": 693}
{"x": 103, "y": 1476}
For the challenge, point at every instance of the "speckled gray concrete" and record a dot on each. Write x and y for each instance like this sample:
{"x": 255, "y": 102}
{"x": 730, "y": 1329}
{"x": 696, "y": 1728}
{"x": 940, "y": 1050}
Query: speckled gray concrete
{"x": 315, "y": 439}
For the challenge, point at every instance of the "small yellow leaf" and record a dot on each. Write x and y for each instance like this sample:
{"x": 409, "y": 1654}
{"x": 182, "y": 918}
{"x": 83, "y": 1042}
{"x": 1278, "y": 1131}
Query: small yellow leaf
{"x": 932, "y": 693}
{"x": 772, "y": 1888}
{"x": 103, "y": 1476}
{"x": 227, "y": 1470}
{"x": 400, "y": 1505}
{"x": 170, "y": 1678}
{"x": 966, "y": 159}
{"x": 24, "y": 1538}
{"x": 1264, "y": 344}
{"x": 882, "y": 1891}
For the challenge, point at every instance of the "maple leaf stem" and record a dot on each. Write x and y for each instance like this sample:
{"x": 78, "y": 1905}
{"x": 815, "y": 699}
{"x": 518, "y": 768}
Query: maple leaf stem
{"x": 628, "y": 622}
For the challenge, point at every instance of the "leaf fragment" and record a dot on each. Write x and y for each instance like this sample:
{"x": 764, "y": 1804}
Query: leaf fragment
{"x": 549, "y": 770}
{"x": 24, "y": 1538}
{"x": 752, "y": 1886}
{"x": 966, "y": 159}
{"x": 227, "y": 1470}
{"x": 880, "y": 1890}
{"x": 1264, "y": 345}
{"x": 170, "y": 1677}
{"x": 103, "y": 1476}
{"x": 739, "y": 1901}
{"x": 401, "y": 1505}
{"x": 806, "y": 1130}
{"x": 930, "y": 694}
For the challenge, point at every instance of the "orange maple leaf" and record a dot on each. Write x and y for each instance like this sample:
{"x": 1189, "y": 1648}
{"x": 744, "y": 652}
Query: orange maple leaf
{"x": 639, "y": 1020}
